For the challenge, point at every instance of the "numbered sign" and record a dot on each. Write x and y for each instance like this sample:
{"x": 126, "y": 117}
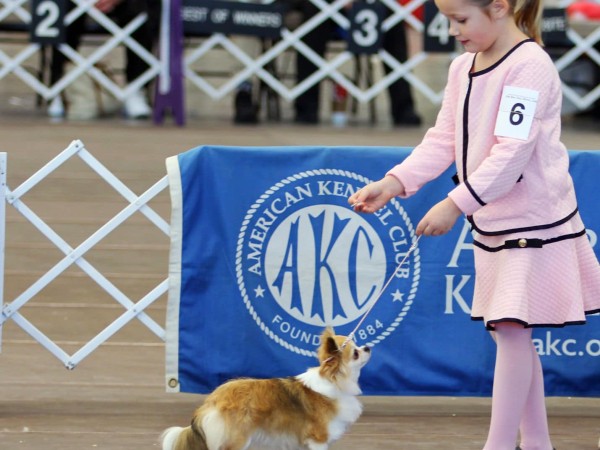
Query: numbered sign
{"x": 437, "y": 31}
{"x": 554, "y": 27}
{"x": 364, "y": 36}
{"x": 516, "y": 112}
{"x": 48, "y": 21}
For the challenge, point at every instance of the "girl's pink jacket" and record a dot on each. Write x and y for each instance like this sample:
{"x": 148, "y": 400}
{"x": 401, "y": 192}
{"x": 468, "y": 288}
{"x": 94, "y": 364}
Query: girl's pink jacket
{"x": 506, "y": 185}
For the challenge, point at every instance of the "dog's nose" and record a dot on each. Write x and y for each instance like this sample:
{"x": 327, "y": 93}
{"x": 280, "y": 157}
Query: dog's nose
{"x": 367, "y": 349}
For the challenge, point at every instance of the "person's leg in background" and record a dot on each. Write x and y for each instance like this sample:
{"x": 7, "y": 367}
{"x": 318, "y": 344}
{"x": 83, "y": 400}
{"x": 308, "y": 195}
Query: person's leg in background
{"x": 124, "y": 11}
{"x": 73, "y": 34}
{"x": 136, "y": 106}
{"x": 307, "y": 104}
{"x": 401, "y": 100}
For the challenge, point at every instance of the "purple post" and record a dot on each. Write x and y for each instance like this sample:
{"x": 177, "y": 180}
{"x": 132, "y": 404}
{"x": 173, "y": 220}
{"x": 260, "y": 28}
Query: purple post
{"x": 171, "y": 96}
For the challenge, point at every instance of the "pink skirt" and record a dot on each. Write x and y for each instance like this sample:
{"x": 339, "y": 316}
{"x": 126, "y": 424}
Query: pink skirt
{"x": 552, "y": 286}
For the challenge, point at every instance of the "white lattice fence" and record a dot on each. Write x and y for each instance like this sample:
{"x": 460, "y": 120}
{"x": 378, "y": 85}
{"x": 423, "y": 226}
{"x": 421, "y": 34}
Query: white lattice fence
{"x": 584, "y": 46}
{"x": 333, "y": 67}
{"x": 133, "y": 309}
{"x": 83, "y": 64}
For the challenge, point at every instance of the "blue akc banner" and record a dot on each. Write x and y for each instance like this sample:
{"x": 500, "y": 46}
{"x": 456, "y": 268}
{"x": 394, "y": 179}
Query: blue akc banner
{"x": 266, "y": 252}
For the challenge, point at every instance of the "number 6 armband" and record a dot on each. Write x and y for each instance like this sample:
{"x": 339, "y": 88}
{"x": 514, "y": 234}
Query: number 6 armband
{"x": 516, "y": 112}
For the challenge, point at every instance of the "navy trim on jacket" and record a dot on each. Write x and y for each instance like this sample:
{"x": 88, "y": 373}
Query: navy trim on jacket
{"x": 522, "y": 229}
{"x": 528, "y": 242}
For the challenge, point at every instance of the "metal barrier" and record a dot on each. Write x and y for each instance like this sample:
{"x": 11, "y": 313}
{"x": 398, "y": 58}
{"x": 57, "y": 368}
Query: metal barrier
{"x": 133, "y": 310}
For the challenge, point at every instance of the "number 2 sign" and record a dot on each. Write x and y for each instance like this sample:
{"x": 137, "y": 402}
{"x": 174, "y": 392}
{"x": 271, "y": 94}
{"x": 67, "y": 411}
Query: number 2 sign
{"x": 48, "y": 21}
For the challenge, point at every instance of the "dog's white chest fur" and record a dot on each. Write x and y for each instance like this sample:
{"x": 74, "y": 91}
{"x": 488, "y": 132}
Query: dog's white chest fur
{"x": 349, "y": 412}
{"x": 349, "y": 407}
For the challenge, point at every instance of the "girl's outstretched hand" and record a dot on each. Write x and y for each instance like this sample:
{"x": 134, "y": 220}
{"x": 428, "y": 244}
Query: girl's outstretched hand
{"x": 439, "y": 219}
{"x": 375, "y": 195}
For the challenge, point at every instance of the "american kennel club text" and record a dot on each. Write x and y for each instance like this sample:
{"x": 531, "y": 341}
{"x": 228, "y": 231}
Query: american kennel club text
{"x": 305, "y": 260}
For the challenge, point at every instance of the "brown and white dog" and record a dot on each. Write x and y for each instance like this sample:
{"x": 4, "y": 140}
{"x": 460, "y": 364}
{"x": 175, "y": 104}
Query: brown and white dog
{"x": 307, "y": 412}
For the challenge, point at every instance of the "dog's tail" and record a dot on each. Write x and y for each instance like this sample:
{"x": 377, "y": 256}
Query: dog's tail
{"x": 188, "y": 438}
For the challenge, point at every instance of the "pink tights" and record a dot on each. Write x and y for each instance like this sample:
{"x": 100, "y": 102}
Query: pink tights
{"x": 518, "y": 395}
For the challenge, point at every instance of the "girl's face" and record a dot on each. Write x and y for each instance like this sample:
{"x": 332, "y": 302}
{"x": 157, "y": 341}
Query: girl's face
{"x": 472, "y": 25}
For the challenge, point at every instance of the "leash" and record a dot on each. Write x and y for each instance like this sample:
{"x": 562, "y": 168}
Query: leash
{"x": 350, "y": 337}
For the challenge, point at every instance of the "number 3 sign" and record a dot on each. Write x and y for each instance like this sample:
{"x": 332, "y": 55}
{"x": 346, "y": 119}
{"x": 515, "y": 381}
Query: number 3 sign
{"x": 365, "y": 28}
{"x": 48, "y": 21}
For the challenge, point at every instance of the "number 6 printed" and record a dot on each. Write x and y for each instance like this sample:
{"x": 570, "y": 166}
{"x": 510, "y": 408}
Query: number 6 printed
{"x": 516, "y": 115}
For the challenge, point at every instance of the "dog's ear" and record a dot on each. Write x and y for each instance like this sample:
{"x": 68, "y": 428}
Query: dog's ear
{"x": 329, "y": 346}
{"x": 330, "y": 355}
{"x": 327, "y": 333}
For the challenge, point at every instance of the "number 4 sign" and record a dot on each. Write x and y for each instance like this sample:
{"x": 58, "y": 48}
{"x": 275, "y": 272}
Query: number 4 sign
{"x": 48, "y": 21}
{"x": 437, "y": 27}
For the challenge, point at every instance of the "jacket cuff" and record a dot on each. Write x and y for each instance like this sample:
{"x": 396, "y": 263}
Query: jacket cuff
{"x": 464, "y": 199}
{"x": 403, "y": 176}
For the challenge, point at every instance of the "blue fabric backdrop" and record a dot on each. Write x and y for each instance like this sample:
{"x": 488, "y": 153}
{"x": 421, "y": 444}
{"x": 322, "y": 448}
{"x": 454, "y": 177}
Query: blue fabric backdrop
{"x": 265, "y": 252}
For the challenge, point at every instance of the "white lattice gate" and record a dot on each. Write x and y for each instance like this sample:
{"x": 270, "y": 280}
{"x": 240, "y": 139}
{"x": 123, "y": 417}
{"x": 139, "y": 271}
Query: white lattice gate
{"x": 133, "y": 309}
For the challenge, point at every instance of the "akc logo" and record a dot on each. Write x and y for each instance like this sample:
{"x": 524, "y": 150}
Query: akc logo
{"x": 306, "y": 260}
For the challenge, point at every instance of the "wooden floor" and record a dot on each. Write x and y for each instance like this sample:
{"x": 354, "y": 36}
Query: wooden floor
{"x": 115, "y": 398}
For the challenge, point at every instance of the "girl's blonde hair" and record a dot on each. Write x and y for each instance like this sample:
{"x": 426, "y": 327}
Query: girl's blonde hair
{"x": 527, "y": 14}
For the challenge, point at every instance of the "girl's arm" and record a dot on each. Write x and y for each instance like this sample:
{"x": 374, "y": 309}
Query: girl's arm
{"x": 439, "y": 219}
{"x": 498, "y": 174}
{"x": 436, "y": 152}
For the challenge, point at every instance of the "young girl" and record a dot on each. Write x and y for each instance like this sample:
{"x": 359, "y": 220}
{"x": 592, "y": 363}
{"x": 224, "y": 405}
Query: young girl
{"x": 500, "y": 124}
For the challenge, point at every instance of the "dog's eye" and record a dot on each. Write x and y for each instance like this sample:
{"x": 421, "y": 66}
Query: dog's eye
{"x": 356, "y": 354}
